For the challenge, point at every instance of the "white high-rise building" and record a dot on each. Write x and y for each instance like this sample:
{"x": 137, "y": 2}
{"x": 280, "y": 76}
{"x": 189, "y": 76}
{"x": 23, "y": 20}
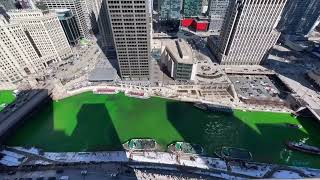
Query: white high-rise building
{"x": 45, "y": 33}
{"x": 249, "y": 31}
{"x": 18, "y": 56}
{"x": 81, "y": 9}
{"x": 131, "y": 29}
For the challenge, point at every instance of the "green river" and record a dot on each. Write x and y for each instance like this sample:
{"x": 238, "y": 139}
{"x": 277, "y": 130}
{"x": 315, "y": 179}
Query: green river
{"x": 90, "y": 122}
{"x": 6, "y": 97}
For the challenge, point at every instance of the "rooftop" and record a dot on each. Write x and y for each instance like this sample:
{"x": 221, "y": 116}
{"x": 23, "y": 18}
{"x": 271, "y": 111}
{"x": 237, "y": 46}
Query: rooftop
{"x": 180, "y": 50}
{"x": 257, "y": 86}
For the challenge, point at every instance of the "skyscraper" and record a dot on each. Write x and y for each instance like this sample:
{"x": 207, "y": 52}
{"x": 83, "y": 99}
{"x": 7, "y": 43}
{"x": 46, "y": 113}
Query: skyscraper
{"x": 169, "y": 9}
{"x": 299, "y": 16}
{"x": 45, "y": 33}
{"x": 18, "y": 55}
{"x": 79, "y": 9}
{"x": 248, "y": 32}
{"x": 217, "y": 12}
{"x": 131, "y": 28}
{"x": 69, "y": 25}
{"x": 192, "y": 8}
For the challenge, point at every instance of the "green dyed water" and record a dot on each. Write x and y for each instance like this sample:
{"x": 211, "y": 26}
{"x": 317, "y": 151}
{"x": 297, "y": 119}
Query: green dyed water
{"x": 6, "y": 97}
{"x": 89, "y": 122}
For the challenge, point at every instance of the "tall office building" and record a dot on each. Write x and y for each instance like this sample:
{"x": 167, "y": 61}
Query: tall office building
{"x": 69, "y": 25}
{"x": 299, "y": 16}
{"x": 167, "y": 16}
{"x": 131, "y": 27}
{"x": 80, "y": 9}
{"x": 18, "y": 55}
{"x": 192, "y": 8}
{"x": 248, "y": 32}
{"x": 45, "y": 33}
{"x": 169, "y": 9}
{"x": 217, "y": 11}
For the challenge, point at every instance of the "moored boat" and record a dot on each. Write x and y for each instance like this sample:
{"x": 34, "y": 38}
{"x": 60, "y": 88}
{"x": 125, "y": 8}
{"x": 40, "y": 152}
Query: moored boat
{"x": 303, "y": 147}
{"x": 141, "y": 145}
{"x": 105, "y": 91}
{"x": 235, "y": 154}
{"x": 187, "y": 148}
{"x": 294, "y": 126}
{"x": 200, "y": 106}
{"x": 140, "y": 95}
{"x": 213, "y": 107}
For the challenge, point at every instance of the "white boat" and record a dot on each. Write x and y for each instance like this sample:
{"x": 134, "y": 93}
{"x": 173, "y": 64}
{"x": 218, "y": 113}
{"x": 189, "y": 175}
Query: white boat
{"x": 139, "y": 95}
{"x": 105, "y": 91}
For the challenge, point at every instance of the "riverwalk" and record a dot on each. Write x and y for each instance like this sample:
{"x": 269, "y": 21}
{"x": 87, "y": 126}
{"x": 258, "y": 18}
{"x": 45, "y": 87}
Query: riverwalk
{"x": 162, "y": 160}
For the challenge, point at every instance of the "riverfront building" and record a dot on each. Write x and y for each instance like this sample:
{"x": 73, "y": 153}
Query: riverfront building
{"x": 248, "y": 32}
{"x": 18, "y": 55}
{"x": 217, "y": 10}
{"x": 81, "y": 9}
{"x": 299, "y": 16}
{"x": 131, "y": 27}
{"x": 69, "y": 25}
{"x": 178, "y": 59}
{"x": 45, "y": 32}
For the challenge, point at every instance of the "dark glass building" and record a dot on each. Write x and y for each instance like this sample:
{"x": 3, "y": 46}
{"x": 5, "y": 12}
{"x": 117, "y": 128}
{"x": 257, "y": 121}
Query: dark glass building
{"x": 69, "y": 25}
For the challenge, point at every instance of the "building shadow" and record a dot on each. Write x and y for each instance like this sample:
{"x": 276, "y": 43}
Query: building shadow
{"x": 95, "y": 130}
{"x": 104, "y": 35}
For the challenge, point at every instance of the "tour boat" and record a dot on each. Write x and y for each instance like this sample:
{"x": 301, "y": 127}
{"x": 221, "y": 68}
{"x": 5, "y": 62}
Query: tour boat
{"x": 200, "y": 106}
{"x": 213, "y": 107}
{"x": 141, "y": 145}
{"x": 236, "y": 154}
{"x": 295, "y": 126}
{"x": 140, "y": 95}
{"x": 303, "y": 147}
{"x": 106, "y": 91}
{"x": 184, "y": 147}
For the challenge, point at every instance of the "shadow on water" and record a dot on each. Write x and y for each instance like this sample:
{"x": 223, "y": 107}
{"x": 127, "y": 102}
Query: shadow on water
{"x": 95, "y": 118}
{"x": 94, "y": 131}
{"x": 265, "y": 140}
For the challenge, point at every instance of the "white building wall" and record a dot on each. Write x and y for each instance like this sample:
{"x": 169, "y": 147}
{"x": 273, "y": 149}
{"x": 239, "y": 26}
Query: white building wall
{"x": 251, "y": 32}
{"x": 79, "y": 8}
{"x": 46, "y": 32}
{"x": 18, "y": 57}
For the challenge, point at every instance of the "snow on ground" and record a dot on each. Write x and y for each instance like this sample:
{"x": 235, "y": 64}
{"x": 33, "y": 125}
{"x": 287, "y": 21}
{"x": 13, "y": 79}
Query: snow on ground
{"x": 310, "y": 172}
{"x": 11, "y": 158}
{"x": 116, "y": 156}
{"x": 215, "y": 163}
{"x": 40, "y": 162}
{"x": 283, "y": 174}
{"x": 251, "y": 170}
{"x": 31, "y": 150}
{"x": 257, "y": 170}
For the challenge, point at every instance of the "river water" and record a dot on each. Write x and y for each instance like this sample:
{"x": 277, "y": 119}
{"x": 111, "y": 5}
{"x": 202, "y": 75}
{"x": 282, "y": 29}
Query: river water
{"x": 89, "y": 122}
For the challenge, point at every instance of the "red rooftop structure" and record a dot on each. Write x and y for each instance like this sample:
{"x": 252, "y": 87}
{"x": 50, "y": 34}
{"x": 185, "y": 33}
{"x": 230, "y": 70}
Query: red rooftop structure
{"x": 196, "y": 23}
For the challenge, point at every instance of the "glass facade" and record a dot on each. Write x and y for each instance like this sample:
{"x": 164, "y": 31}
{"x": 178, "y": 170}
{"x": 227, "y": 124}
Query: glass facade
{"x": 192, "y": 8}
